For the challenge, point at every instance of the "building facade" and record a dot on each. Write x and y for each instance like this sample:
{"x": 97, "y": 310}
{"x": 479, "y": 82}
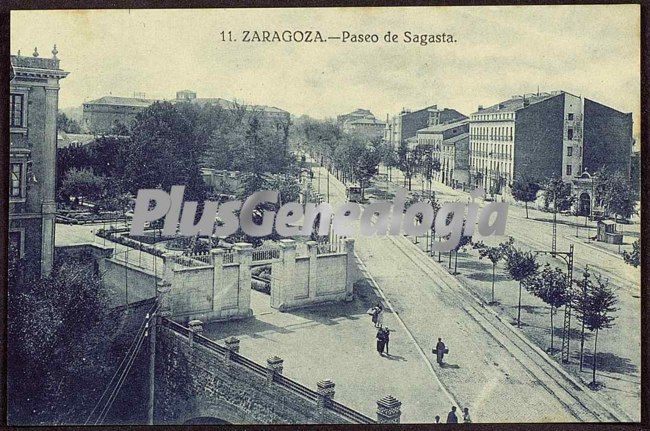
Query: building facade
{"x": 454, "y": 164}
{"x": 101, "y": 116}
{"x": 362, "y": 122}
{"x": 407, "y": 123}
{"x": 33, "y": 105}
{"x": 544, "y": 135}
{"x": 441, "y": 140}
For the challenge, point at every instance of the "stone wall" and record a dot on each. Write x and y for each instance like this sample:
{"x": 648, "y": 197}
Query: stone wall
{"x": 116, "y": 274}
{"x": 195, "y": 377}
{"x": 218, "y": 286}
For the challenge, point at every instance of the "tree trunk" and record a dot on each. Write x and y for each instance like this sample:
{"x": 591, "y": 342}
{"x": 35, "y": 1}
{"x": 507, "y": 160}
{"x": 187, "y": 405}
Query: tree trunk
{"x": 410, "y": 182}
{"x": 519, "y": 308}
{"x": 526, "y": 205}
{"x": 593, "y": 381}
{"x": 493, "y": 268}
{"x": 449, "y": 259}
{"x": 456, "y": 262}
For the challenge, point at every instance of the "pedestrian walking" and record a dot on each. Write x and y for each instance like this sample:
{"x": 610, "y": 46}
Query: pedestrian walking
{"x": 451, "y": 416}
{"x": 381, "y": 342}
{"x": 440, "y": 351}
{"x": 466, "y": 418}
{"x": 380, "y": 316}
{"x": 375, "y": 312}
{"x": 386, "y": 338}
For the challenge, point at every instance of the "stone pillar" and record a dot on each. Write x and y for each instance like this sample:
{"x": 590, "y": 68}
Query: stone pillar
{"x": 325, "y": 389}
{"x": 312, "y": 250}
{"x": 163, "y": 289}
{"x": 388, "y": 410}
{"x": 45, "y": 173}
{"x": 244, "y": 252}
{"x": 274, "y": 366}
{"x": 217, "y": 278}
{"x": 351, "y": 270}
{"x": 283, "y": 275}
{"x": 232, "y": 346}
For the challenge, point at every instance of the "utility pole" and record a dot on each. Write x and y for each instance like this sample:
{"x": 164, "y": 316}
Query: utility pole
{"x": 328, "y": 185}
{"x": 152, "y": 366}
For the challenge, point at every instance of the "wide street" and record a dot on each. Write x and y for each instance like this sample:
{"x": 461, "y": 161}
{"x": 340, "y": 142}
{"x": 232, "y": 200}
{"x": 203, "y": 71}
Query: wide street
{"x": 619, "y": 358}
{"x": 491, "y": 364}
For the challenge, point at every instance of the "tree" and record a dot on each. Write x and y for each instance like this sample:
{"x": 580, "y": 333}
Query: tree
{"x": 551, "y": 286}
{"x": 520, "y": 265}
{"x": 365, "y": 163}
{"x": 524, "y": 189}
{"x": 494, "y": 255}
{"x": 82, "y": 183}
{"x": 557, "y": 194}
{"x": 164, "y": 152}
{"x": 463, "y": 242}
{"x": 618, "y": 196}
{"x": 634, "y": 257}
{"x": 66, "y": 124}
{"x": 408, "y": 161}
{"x": 60, "y": 344}
{"x": 595, "y": 312}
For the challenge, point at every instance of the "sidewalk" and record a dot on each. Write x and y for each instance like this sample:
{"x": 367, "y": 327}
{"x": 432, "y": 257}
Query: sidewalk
{"x": 337, "y": 342}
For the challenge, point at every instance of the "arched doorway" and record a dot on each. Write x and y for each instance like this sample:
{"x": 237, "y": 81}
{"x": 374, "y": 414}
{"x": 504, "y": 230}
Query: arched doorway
{"x": 585, "y": 204}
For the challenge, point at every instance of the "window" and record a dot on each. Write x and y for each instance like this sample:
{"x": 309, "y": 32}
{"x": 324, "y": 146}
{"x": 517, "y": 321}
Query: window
{"x": 16, "y": 180}
{"x": 16, "y": 111}
{"x": 570, "y": 116}
{"x": 569, "y": 134}
{"x": 569, "y": 151}
{"x": 568, "y": 169}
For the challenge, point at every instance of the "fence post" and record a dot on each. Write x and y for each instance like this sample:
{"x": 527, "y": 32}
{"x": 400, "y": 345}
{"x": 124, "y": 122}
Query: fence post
{"x": 244, "y": 251}
{"x": 232, "y": 346}
{"x": 274, "y": 366}
{"x": 312, "y": 250}
{"x": 217, "y": 283}
{"x": 388, "y": 410}
{"x": 325, "y": 389}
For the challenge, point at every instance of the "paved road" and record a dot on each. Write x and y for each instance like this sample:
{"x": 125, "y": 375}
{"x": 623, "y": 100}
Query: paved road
{"x": 491, "y": 368}
{"x": 620, "y": 352}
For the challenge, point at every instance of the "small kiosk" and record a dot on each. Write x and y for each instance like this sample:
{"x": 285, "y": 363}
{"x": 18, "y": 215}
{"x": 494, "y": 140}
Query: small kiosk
{"x": 607, "y": 232}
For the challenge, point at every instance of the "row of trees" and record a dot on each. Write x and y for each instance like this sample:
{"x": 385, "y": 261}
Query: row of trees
{"x": 592, "y": 298}
{"x": 612, "y": 191}
{"x": 168, "y": 145}
{"x": 351, "y": 157}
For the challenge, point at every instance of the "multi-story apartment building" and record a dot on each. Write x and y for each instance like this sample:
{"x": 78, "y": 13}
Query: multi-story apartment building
{"x": 33, "y": 105}
{"x": 363, "y": 122}
{"x": 454, "y": 161}
{"x": 440, "y": 140}
{"x": 407, "y": 123}
{"x": 543, "y": 135}
{"x": 100, "y": 116}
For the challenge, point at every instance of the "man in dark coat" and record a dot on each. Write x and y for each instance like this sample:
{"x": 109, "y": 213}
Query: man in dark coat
{"x": 440, "y": 351}
{"x": 451, "y": 416}
{"x": 381, "y": 341}
{"x": 386, "y": 338}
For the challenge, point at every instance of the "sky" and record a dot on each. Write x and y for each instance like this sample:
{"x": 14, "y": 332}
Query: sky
{"x": 499, "y": 51}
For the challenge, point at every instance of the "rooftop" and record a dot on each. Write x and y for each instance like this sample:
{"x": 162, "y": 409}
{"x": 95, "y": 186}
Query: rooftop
{"x": 518, "y": 102}
{"x": 122, "y": 101}
{"x": 439, "y": 128}
{"x": 454, "y": 139}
